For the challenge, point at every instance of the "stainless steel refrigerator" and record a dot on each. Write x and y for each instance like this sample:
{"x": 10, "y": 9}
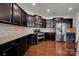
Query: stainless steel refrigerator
{"x": 61, "y": 31}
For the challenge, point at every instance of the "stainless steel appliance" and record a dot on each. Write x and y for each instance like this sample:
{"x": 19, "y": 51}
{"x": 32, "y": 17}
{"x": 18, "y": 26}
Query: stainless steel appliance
{"x": 40, "y": 35}
{"x": 61, "y": 31}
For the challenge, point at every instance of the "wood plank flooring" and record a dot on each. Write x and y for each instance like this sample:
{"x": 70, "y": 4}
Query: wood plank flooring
{"x": 51, "y": 48}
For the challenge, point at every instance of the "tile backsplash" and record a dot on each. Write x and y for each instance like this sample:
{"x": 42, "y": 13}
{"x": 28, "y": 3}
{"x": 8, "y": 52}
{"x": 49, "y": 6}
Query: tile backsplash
{"x": 41, "y": 29}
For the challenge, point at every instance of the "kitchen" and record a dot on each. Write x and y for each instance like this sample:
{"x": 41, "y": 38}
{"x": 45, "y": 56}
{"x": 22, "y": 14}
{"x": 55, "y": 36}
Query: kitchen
{"x": 24, "y": 33}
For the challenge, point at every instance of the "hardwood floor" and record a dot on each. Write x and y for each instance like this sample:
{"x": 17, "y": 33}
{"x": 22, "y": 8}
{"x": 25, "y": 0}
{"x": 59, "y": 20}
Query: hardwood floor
{"x": 51, "y": 48}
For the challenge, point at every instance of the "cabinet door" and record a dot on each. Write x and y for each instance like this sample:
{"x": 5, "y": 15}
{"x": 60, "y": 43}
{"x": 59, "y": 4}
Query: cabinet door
{"x": 29, "y": 40}
{"x": 16, "y": 14}
{"x": 34, "y": 39}
{"x": 71, "y": 37}
{"x": 10, "y": 48}
{"x": 69, "y": 22}
{"x": 22, "y": 45}
{"x": 12, "y": 51}
{"x": 0, "y": 50}
{"x": 48, "y": 24}
{"x": 43, "y": 23}
{"x": 23, "y": 18}
{"x": 30, "y": 21}
{"x": 38, "y": 21}
{"x": 5, "y": 12}
{"x": 51, "y": 23}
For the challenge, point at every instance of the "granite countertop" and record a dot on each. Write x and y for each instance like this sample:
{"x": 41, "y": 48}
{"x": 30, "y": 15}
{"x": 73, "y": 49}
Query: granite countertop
{"x": 71, "y": 30}
{"x": 11, "y": 32}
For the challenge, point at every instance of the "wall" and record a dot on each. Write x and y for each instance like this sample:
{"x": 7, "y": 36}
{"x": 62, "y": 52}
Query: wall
{"x": 77, "y": 27}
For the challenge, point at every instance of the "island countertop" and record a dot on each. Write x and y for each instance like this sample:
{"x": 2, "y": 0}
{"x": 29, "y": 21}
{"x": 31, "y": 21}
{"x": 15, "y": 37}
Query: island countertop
{"x": 71, "y": 30}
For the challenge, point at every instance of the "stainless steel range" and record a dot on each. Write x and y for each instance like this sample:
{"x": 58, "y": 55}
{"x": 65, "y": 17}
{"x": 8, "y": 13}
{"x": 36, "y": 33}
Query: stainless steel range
{"x": 40, "y": 35}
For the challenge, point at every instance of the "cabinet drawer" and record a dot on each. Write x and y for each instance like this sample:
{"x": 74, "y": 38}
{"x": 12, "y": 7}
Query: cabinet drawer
{"x": 8, "y": 44}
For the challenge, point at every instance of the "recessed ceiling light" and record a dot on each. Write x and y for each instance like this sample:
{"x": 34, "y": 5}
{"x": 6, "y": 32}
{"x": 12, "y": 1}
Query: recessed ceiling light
{"x": 48, "y": 10}
{"x": 69, "y": 9}
{"x": 33, "y": 4}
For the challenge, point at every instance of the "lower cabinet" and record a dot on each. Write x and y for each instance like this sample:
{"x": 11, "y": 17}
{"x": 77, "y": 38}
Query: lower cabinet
{"x": 0, "y": 50}
{"x": 22, "y": 45}
{"x": 10, "y": 49}
{"x": 14, "y": 48}
{"x": 49, "y": 36}
{"x": 17, "y": 47}
{"x": 32, "y": 39}
{"x": 71, "y": 36}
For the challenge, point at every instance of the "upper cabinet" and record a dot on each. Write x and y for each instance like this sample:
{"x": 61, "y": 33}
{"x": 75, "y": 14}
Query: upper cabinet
{"x": 69, "y": 22}
{"x": 23, "y": 18}
{"x": 52, "y": 23}
{"x": 43, "y": 23}
{"x": 5, "y": 12}
{"x": 38, "y": 21}
{"x": 30, "y": 21}
{"x": 16, "y": 14}
{"x": 49, "y": 23}
{"x": 19, "y": 16}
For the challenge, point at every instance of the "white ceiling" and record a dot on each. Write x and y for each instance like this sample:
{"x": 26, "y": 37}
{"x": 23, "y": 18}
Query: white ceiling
{"x": 56, "y": 9}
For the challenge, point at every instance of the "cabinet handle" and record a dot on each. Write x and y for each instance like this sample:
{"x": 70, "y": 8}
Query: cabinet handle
{"x": 12, "y": 43}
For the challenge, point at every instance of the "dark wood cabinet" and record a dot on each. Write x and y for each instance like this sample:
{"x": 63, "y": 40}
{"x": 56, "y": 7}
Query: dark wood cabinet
{"x": 69, "y": 22}
{"x": 43, "y": 23}
{"x": 30, "y": 21}
{"x": 48, "y": 24}
{"x": 16, "y": 47}
{"x": 29, "y": 40}
{"x": 22, "y": 45}
{"x": 10, "y": 49}
{"x": 16, "y": 15}
{"x": 12, "y": 13}
{"x": 52, "y": 23}
{"x": 23, "y": 18}
{"x": 71, "y": 36}
{"x": 38, "y": 22}
{"x": 0, "y": 50}
{"x": 33, "y": 39}
{"x": 50, "y": 36}
{"x": 5, "y": 12}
